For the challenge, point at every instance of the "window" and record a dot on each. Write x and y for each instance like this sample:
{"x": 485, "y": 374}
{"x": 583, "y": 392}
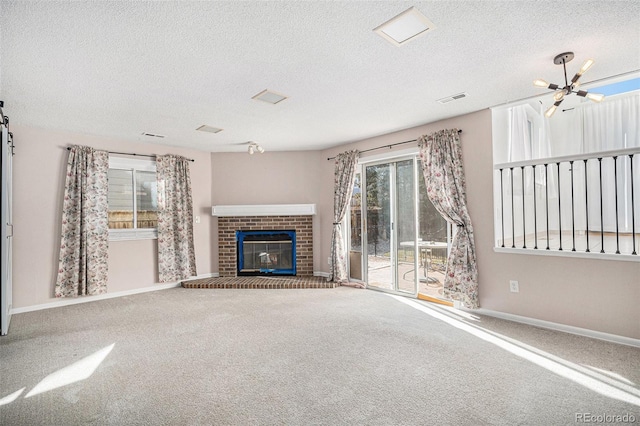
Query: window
{"x": 133, "y": 199}
{"x": 565, "y": 185}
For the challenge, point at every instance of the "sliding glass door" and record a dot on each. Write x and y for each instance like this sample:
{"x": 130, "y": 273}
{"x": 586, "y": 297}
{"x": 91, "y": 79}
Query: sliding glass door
{"x": 405, "y": 219}
{"x": 434, "y": 237}
{"x": 379, "y": 253}
{"x": 389, "y": 211}
{"x": 404, "y": 240}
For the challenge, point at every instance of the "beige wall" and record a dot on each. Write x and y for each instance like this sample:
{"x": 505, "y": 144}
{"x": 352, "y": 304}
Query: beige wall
{"x": 594, "y": 294}
{"x": 271, "y": 178}
{"x": 588, "y": 293}
{"x": 39, "y": 167}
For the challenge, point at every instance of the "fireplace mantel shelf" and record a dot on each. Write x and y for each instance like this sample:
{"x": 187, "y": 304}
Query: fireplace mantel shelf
{"x": 264, "y": 210}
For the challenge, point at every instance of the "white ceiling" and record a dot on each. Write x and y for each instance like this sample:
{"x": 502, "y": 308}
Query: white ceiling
{"x": 119, "y": 69}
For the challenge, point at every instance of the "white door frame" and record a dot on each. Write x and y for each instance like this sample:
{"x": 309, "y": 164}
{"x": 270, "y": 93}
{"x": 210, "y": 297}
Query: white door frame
{"x": 6, "y": 296}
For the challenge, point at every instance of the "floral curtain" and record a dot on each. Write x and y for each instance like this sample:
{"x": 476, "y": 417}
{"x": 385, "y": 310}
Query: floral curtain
{"x": 344, "y": 176}
{"x": 176, "y": 255}
{"x": 441, "y": 157}
{"x": 84, "y": 242}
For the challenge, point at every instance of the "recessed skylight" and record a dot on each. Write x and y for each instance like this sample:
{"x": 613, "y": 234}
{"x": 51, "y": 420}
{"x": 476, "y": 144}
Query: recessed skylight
{"x": 210, "y": 129}
{"x": 405, "y": 27}
{"x": 269, "y": 96}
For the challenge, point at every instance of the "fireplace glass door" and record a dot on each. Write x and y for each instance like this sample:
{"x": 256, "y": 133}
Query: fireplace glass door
{"x": 266, "y": 252}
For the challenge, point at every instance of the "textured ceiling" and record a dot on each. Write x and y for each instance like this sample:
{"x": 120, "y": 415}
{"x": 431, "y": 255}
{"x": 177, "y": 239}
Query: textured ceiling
{"x": 119, "y": 69}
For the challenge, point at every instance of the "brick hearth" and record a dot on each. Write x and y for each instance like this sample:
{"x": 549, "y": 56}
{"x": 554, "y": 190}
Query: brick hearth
{"x": 228, "y": 225}
{"x": 259, "y": 283}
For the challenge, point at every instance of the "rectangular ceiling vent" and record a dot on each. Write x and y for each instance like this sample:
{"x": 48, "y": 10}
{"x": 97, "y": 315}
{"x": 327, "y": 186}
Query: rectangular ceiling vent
{"x": 153, "y": 135}
{"x": 210, "y": 129}
{"x": 405, "y": 27}
{"x": 452, "y": 98}
{"x": 269, "y": 96}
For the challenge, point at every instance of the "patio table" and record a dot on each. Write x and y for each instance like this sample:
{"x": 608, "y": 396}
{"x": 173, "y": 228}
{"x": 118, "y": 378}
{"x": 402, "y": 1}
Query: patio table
{"x": 425, "y": 248}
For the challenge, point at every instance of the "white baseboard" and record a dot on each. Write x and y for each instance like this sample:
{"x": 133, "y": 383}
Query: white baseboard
{"x": 321, "y": 274}
{"x": 201, "y": 276}
{"x": 85, "y": 299}
{"x": 622, "y": 340}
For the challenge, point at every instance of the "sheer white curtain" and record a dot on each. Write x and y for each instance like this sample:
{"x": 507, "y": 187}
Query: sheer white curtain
{"x": 611, "y": 125}
{"x": 529, "y": 139}
{"x": 520, "y": 140}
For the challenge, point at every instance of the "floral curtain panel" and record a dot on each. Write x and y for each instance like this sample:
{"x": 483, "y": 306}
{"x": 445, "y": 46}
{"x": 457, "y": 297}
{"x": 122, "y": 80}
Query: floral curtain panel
{"x": 344, "y": 176}
{"x": 441, "y": 157}
{"x": 176, "y": 255}
{"x": 84, "y": 242}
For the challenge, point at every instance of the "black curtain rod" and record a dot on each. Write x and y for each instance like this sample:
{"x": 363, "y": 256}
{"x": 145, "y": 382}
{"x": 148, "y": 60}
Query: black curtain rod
{"x": 387, "y": 146}
{"x": 131, "y": 153}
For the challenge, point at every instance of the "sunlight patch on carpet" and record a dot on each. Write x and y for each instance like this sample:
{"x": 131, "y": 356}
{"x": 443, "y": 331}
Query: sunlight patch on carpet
{"x": 79, "y": 370}
{"x": 590, "y": 379}
{"x": 10, "y": 398}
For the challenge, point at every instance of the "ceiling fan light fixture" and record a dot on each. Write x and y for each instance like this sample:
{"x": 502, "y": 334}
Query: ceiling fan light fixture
{"x": 558, "y": 96}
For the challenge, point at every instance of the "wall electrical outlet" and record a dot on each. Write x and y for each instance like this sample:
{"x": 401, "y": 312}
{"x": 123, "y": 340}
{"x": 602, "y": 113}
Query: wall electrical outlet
{"x": 197, "y": 219}
{"x": 514, "y": 287}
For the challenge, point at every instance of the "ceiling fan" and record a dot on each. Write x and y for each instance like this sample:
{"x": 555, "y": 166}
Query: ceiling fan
{"x": 569, "y": 86}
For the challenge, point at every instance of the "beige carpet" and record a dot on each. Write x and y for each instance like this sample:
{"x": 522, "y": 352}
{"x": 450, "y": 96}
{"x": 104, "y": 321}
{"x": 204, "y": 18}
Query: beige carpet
{"x": 260, "y": 282}
{"x": 315, "y": 357}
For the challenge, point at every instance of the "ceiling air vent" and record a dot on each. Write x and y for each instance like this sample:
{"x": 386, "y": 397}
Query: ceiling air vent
{"x": 153, "y": 135}
{"x": 405, "y": 27}
{"x": 210, "y": 129}
{"x": 452, "y": 98}
{"x": 269, "y": 97}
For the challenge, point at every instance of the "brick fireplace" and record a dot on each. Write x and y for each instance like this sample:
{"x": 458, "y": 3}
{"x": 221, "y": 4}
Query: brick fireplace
{"x": 264, "y": 218}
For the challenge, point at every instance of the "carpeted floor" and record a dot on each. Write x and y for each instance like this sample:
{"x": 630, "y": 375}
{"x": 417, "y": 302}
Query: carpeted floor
{"x": 338, "y": 356}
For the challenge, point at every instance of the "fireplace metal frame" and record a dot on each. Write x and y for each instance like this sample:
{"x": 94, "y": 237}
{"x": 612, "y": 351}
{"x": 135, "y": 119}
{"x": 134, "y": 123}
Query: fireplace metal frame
{"x": 240, "y": 238}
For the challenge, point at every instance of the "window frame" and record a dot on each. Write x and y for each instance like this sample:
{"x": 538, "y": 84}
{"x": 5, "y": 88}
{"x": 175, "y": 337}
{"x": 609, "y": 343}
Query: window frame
{"x": 134, "y": 165}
